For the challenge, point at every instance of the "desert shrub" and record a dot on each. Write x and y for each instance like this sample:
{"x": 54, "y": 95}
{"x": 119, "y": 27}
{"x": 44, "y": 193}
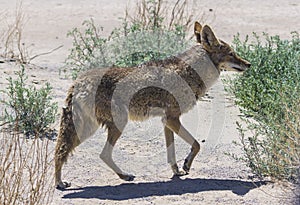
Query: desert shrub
{"x": 268, "y": 95}
{"x": 30, "y": 107}
{"x": 152, "y": 32}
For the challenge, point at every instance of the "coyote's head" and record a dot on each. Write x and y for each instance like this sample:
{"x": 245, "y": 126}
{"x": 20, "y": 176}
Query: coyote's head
{"x": 221, "y": 54}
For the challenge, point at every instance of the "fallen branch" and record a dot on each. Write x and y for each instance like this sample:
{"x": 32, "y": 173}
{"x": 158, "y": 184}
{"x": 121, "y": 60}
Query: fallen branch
{"x": 46, "y": 53}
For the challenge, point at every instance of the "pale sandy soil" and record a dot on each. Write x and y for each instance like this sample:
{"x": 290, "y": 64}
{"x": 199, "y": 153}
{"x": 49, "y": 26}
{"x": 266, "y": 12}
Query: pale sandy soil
{"x": 214, "y": 178}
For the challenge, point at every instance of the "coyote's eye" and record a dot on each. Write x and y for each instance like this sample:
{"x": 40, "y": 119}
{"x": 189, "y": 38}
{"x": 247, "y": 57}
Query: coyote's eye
{"x": 231, "y": 54}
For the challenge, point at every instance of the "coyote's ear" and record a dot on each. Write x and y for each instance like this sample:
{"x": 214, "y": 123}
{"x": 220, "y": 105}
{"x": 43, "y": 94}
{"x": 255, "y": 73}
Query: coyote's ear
{"x": 197, "y": 31}
{"x": 208, "y": 38}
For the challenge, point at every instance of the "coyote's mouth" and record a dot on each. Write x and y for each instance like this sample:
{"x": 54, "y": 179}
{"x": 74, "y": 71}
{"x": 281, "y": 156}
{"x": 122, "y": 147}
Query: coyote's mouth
{"x": 238, "y": 68}
{"x": 232, "y": 67}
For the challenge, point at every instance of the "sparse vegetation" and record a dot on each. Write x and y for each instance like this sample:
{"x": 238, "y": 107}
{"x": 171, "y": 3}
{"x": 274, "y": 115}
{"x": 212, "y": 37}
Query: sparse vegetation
{"x": 26, "y": 175}
{"x": 268, "y": 95}
{"x": 153, "y": 32}
{"x": 27, "y": 109}
{"x": 12, "y": 48}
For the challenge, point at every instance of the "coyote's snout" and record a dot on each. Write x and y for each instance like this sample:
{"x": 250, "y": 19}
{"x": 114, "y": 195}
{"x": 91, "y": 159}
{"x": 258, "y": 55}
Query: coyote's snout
{"x": 165, "y": 88}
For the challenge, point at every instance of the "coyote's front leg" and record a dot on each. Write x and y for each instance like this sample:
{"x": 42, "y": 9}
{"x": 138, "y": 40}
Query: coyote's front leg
{"x": 174, "y": 125}
{"x": 171, "y": 152}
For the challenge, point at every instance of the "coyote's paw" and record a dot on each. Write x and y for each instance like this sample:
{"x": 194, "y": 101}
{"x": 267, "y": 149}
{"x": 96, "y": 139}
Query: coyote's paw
{"x": 63, "y": 185}
{"x": 186, "y": 167}
{"x": 177, "y": 171}
{"x": 127, "y": 177}
{"x": 181, "y": 173}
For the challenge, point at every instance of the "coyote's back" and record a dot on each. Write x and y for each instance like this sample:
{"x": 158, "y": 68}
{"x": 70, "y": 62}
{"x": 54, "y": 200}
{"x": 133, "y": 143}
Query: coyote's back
{"x": 165, "y": 88}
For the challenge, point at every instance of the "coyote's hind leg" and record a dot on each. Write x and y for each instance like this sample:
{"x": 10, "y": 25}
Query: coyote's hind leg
{"x": 66, "y": 142}
{"x": 113, "y": 135}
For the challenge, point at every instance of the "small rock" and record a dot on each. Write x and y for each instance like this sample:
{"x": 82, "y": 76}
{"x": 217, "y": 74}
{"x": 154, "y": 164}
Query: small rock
{"x": 35, "y": 82}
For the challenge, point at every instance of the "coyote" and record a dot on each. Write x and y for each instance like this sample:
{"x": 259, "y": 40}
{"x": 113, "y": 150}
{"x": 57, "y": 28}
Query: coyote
{"x": 166, "y": 88}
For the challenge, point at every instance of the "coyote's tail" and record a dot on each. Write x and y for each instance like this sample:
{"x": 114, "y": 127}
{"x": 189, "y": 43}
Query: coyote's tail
{"x": 69, "y": 98}
{"x": 67, "y": 138}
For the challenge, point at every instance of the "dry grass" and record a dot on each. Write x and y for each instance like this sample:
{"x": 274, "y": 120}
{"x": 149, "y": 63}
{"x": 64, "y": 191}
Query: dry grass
{"x": 292, "y": 144}
{"x": 11, "y": 46}
{"x": 25, "y": 170}
{"x": 151, "y": 14}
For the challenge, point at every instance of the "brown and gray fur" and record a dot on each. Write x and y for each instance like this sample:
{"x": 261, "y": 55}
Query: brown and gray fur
{"x": 166, "y": 88}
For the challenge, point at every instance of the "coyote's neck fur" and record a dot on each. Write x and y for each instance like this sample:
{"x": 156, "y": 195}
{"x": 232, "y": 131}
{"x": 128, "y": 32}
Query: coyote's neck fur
{"x": 197, "y": 59}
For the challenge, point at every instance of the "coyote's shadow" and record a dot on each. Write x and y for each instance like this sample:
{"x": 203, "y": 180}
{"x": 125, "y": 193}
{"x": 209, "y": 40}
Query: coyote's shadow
{"x": 173, "y": 187}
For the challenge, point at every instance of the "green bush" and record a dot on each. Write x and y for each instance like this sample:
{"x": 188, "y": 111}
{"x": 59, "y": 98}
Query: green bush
{"x": 28, "y": 109}
{"x": 268, "y": 95}
{"x": 147, "y": 35}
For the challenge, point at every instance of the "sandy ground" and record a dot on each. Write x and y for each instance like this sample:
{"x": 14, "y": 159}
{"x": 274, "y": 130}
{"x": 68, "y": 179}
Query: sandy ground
{"x": 214, "y": 177}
